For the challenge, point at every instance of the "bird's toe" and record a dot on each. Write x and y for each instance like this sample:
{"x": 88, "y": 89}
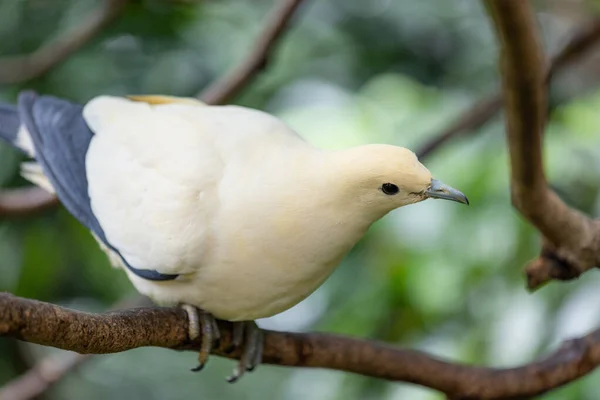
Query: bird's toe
{"x": 202, "y": 321}
{"x": 237, "y": 337}
{"x": 252, "y": 343}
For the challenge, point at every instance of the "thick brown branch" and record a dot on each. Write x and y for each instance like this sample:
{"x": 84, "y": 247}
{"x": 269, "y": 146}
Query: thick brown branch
{"x": 572, "y": 239}
{"x": 23, "y": 68}
{"x": 111, "y": 332}
{"x": 583, "y": 40}
{"x": 51, "y": 369}
{"x": 221, "y": 91}
{"x": 25, "y": 201}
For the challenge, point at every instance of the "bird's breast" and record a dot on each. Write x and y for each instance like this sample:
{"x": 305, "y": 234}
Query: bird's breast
{"x": 267, "y": 264}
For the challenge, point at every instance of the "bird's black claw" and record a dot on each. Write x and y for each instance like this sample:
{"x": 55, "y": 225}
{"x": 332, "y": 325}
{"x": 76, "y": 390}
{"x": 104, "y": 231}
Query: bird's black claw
{"x": 201, "y": 321}
{"x": 199, "y": 368}
{"x": 252, "y": 342}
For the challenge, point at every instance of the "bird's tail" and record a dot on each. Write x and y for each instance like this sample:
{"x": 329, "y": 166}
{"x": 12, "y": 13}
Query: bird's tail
{"x": 9, "y": 125}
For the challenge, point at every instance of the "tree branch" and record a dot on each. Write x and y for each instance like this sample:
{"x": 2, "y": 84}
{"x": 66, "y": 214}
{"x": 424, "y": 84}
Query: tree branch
{"x": 117, "y": 331}
{"x": 571, "y": 240}
{"x": 51, "y": 369}
{"x": 223, "y": 90}
{"x": 468, "y": 122}
{"x": 42, "y": 376}
{"x": 18, "y": 69}
{"x": 581, "y": 42}
{"x": 25, "y": 201}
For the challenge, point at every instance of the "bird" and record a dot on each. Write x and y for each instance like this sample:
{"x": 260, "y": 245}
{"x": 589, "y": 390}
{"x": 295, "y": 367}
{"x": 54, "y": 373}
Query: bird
{"x": 223, "y": 210}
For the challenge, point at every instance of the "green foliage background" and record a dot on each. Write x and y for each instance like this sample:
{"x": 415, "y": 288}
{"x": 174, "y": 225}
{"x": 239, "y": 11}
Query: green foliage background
{"x": 435, "y": 276}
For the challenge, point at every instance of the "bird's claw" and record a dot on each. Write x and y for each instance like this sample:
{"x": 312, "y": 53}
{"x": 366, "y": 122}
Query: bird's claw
{"x": 200, "y": 320}
{"x": 246, "y": 335}
{"x": 252, "y": 347}
{"x": 237, "y": 337}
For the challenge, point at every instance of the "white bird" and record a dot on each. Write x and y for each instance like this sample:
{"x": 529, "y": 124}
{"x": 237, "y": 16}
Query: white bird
{"x": 224, "y": 209}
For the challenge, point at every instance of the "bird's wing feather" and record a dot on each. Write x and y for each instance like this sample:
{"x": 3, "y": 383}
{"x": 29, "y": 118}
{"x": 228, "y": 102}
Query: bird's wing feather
{"x": 153, "y": 176}
{"x": 61, "y": 139}
{"x": 9, "y": 123}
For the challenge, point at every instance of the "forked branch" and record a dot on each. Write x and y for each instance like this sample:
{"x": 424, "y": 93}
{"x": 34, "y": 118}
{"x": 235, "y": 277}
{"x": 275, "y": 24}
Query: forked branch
{"x": 571, "y": 239}
{"x": 579, "y": 44}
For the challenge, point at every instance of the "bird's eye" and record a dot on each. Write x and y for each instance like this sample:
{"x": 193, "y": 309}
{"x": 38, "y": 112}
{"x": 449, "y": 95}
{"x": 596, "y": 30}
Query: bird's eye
{"x": 389, "y": 188}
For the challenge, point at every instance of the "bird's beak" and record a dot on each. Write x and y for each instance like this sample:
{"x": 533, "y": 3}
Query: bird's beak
{"x": 439, "y": 190}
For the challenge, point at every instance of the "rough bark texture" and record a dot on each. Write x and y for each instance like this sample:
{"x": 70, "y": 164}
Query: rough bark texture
{"x": 116, "y": 331}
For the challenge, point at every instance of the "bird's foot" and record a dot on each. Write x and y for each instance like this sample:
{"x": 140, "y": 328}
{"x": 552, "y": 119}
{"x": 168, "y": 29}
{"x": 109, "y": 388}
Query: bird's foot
{"x": 248, "y": 336}
{"x": 202, "y": 322}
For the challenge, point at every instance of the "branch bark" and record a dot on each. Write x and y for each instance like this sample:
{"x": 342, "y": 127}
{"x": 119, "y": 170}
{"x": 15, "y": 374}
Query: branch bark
{"x": 117, "y": 331}
{"x": 224, "y": 89}
{"x": 51, "y": 369}
{"x": 571, "y": 239}
{"x": 18, "y": 69}
{"x": 580, "y": 43}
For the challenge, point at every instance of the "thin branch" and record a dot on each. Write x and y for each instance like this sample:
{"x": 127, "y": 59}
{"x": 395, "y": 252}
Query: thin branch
{"x": 51, "y": 369}
{"x": 223, "y": 90}
{"x": 18, "y": 69}
{"x": 42, "y": 376}
{"x": 571, "y": 240}
{"x": 581, "y": 42}
{"x": 25, "y": 201}
{"x": 118, "y": 331}
{"x": 471, "y": 120}
{"x": 584, "y": 39}
{"x": 26, "y": 67}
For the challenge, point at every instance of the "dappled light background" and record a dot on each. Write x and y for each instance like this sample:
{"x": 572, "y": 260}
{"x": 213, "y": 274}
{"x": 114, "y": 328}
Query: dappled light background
{"x": 436, "y": 276}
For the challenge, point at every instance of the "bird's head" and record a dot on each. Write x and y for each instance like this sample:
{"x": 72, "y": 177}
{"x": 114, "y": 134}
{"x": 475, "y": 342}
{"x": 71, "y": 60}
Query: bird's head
{"x": 385, "y": 177}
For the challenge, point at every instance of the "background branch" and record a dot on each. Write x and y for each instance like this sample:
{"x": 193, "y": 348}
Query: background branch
{"x": 117, "y": 331}
{"x": 25, "y": 201}
{"x": 51, "y": 369}
{"x": 571, "y": 240}
{"x": 224, "y": 89}
{"x": 42, "y": 376}
{"x": 580, "y": 43}
{"x": 18, "y": 69}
